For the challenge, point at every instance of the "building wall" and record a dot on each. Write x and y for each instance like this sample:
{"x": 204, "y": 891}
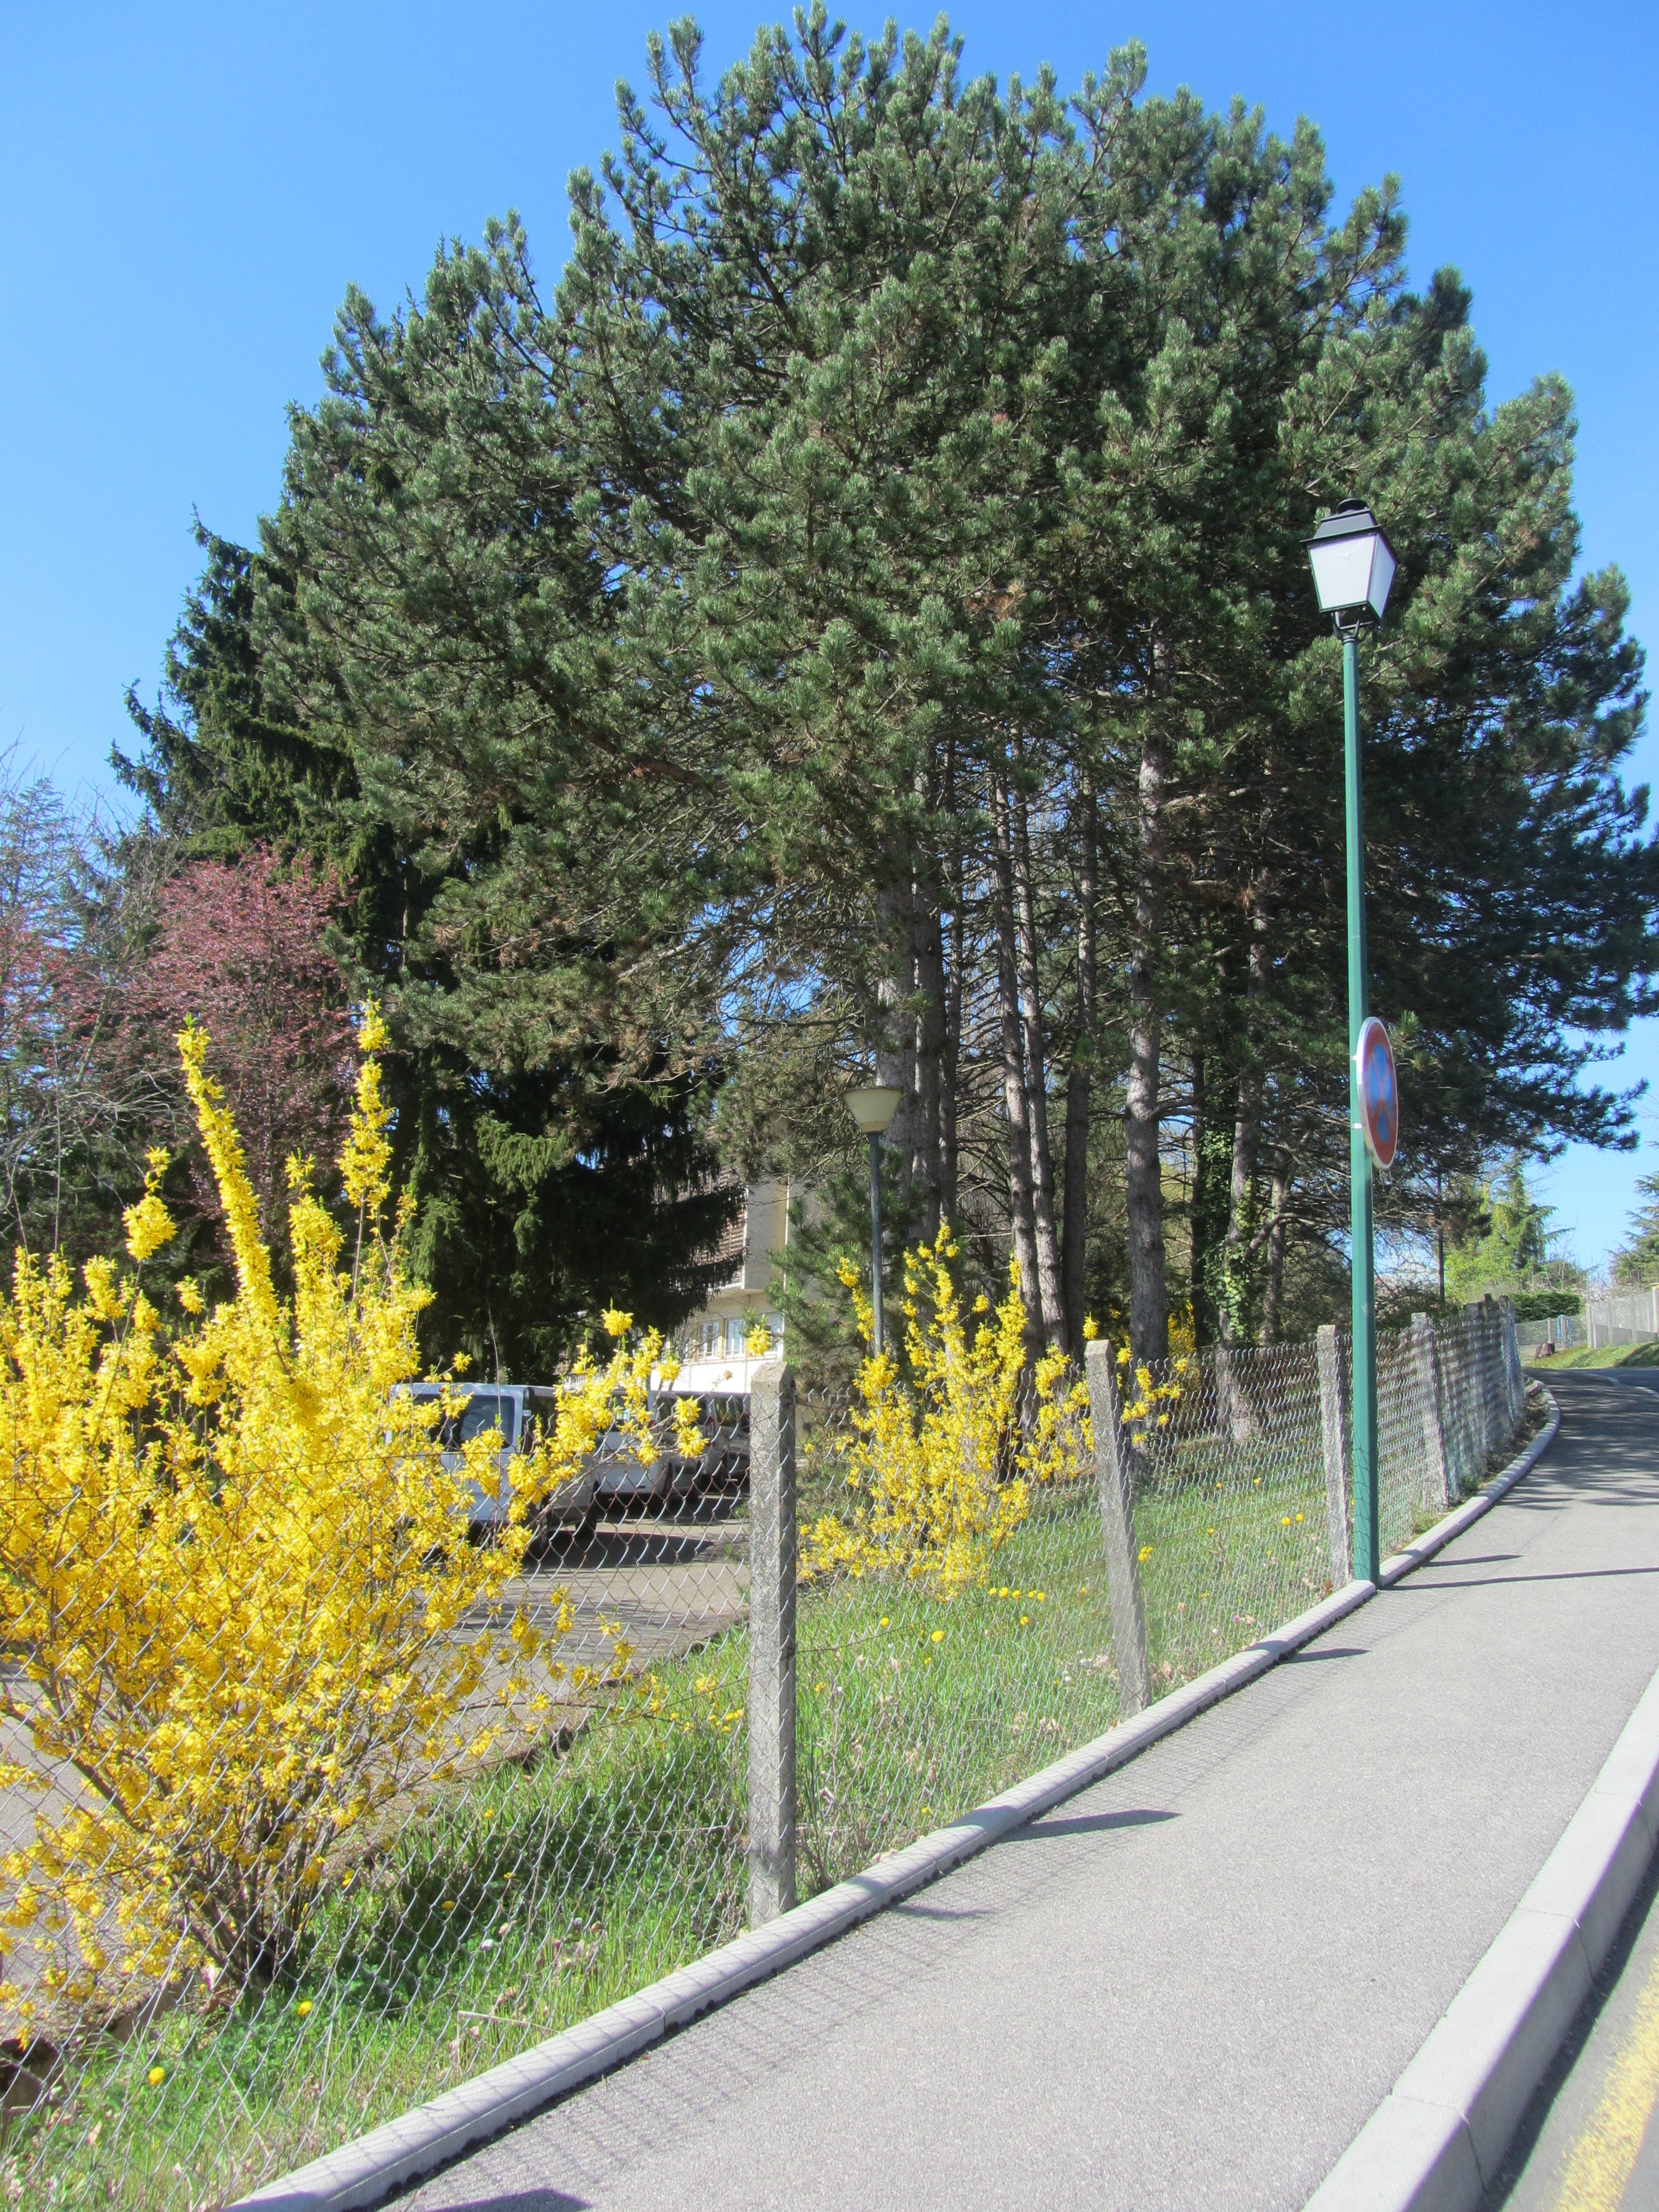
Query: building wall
{"x": 711, "y": 1343}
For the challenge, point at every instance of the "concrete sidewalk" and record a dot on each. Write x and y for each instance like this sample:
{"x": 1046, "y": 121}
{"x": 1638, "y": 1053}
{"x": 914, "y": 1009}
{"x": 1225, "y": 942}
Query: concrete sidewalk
{"x": 1191, "y": 1985}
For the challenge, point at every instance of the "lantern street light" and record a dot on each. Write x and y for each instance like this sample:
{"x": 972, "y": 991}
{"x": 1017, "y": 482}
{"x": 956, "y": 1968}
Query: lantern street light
{"x": 872, "y": 1108}
{"x": 1353, "y": 566}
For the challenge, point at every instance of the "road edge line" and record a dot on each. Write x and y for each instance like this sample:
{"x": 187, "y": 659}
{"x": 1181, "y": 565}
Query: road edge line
{"x": 367, "y": 2169}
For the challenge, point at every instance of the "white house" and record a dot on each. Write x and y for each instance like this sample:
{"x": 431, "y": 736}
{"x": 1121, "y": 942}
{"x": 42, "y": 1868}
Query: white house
{"x": 711, "y": 1344}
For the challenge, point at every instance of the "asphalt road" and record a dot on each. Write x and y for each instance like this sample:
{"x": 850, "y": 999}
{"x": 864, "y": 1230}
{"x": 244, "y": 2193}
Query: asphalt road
{"x": 1190, "y": 1986}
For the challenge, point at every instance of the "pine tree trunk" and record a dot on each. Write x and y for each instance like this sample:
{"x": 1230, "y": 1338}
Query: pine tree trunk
{"x": 952, "y": 959}
{"x": 1243, "y": 1238}
{"x": 1074, "y": 1225}
{"x": 1149, "y": 1313}
{"x": 1273, "y": 1301}
{"x": 1200, "y": 1208}
{"x": 951, "y": 1070}
{"x": 1242, "y": 1244}
{"x": 1050, "y": 1296}
{"x": 928, "y": 937}
{"x": 1021, "y": 1207}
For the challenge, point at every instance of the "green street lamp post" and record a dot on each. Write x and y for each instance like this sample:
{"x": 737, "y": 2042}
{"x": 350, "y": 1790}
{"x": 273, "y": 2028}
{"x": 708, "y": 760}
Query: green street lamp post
{"x": 1353, "y": 566}
{"x": 872, "y": 1108}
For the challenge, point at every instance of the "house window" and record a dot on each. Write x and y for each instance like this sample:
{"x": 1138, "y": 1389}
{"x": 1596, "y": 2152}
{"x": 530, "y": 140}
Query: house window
{"x": 736, "y": 1337}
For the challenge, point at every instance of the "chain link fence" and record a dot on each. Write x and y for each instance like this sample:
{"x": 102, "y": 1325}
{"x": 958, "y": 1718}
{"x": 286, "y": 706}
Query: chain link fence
{"x": 699, "y": 1736}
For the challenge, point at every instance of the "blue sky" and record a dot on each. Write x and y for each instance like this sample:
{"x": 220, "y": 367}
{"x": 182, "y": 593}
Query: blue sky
{"x": 187, "y": 191}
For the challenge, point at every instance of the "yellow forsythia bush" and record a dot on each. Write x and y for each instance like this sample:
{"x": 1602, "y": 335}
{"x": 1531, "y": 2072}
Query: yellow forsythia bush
{"x": 237, "y": 1590}
{"x": 938, "y": 1463}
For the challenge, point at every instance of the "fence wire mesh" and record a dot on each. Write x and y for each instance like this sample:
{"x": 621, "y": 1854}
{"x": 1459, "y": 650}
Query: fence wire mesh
{"x": 579, "y": 1824}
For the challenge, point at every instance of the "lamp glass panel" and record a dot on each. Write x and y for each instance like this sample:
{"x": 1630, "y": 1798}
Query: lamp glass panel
{"x": 1342, "y": 570}
{"x": 1383, "y": 566}
{"x": 874, "y": 1108}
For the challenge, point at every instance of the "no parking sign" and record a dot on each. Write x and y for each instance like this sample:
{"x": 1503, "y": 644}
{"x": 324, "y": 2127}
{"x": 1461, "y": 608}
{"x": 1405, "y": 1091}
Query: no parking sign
{"x": 1379, "y": 1091}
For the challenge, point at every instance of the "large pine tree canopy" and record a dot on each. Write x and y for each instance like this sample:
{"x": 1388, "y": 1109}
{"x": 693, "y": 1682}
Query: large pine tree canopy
{"x": 860, "y": 617}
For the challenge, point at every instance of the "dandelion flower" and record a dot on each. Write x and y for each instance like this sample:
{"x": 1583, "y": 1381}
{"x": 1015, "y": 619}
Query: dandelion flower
{"x": 448, "y": 1904}
{"x": 1299, "y": 1516}
{"x": 1283, "y": 1520}
{"x": 1146, "y": 1554}
{"x": 938, "y": 1636}
{"x": 303, "y": 2007}
{"x": 1025, "y": 1620}
{"x": 155, "y": 2077}
{"x": 886, "y": 1622}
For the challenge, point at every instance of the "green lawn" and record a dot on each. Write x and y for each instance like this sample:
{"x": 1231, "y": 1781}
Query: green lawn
{"x": 541, "y": 1892}
{"x": 1605, "y": 1355}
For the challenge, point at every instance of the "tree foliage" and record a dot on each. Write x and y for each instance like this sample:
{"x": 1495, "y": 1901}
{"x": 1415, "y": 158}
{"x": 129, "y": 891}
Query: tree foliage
{"x": 859, "y": 620}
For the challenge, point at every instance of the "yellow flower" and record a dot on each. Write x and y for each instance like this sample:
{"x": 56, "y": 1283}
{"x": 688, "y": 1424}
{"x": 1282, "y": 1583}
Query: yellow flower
{"x": 1146, "y": 1554}
{"x": 938, "y": 1636}
{"x": 1283, "y": 1520}
{"x": 1299, "y": 1516}
{"x": 1025, "y": 1620}
{"x": 148, "y": 1223}
{"x": 927, "y": 1493}
{"x": 155, "y": 2077}
{"x": 303, "y": 2007}
{"x": 886, "y": 1622}
{"x": 260, "y": 1481}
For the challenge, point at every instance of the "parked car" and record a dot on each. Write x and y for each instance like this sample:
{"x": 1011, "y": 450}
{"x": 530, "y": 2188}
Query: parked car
{"x": 516, "y": 1409}
{"x": 721, "y": 1467}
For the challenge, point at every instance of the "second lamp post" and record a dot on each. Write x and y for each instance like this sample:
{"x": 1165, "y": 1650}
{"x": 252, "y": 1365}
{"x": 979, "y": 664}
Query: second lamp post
{"x": 1353, "y": 566}
{"x": 872, "y": 1108}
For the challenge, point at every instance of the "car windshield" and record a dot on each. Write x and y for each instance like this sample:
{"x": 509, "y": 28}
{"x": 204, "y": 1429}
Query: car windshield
{"x": 484, "y": 1410}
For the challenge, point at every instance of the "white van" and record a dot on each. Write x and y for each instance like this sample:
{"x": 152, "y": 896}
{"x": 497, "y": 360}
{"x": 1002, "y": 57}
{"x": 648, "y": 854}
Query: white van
{"x": 517, "y": 1409}
{"x": 720, "y": 1466}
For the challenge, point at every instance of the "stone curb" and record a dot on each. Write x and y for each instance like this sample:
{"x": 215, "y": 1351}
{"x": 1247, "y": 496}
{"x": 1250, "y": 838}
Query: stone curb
{"x": 363, "y": 2171}
{"x": 1436, "y": 2143}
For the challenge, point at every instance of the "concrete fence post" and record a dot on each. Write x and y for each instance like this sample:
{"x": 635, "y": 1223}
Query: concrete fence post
{"x": 1333, "y": 1427}
{"x": 1516, "y": 1381}
{"x": 1134, "y": 1677}
{"x": 1427, "y": 1360}
{"x": 1483, "y": 1350}
{"x": 1502, "y": 1421}
{"x": 772, "y": 1808}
